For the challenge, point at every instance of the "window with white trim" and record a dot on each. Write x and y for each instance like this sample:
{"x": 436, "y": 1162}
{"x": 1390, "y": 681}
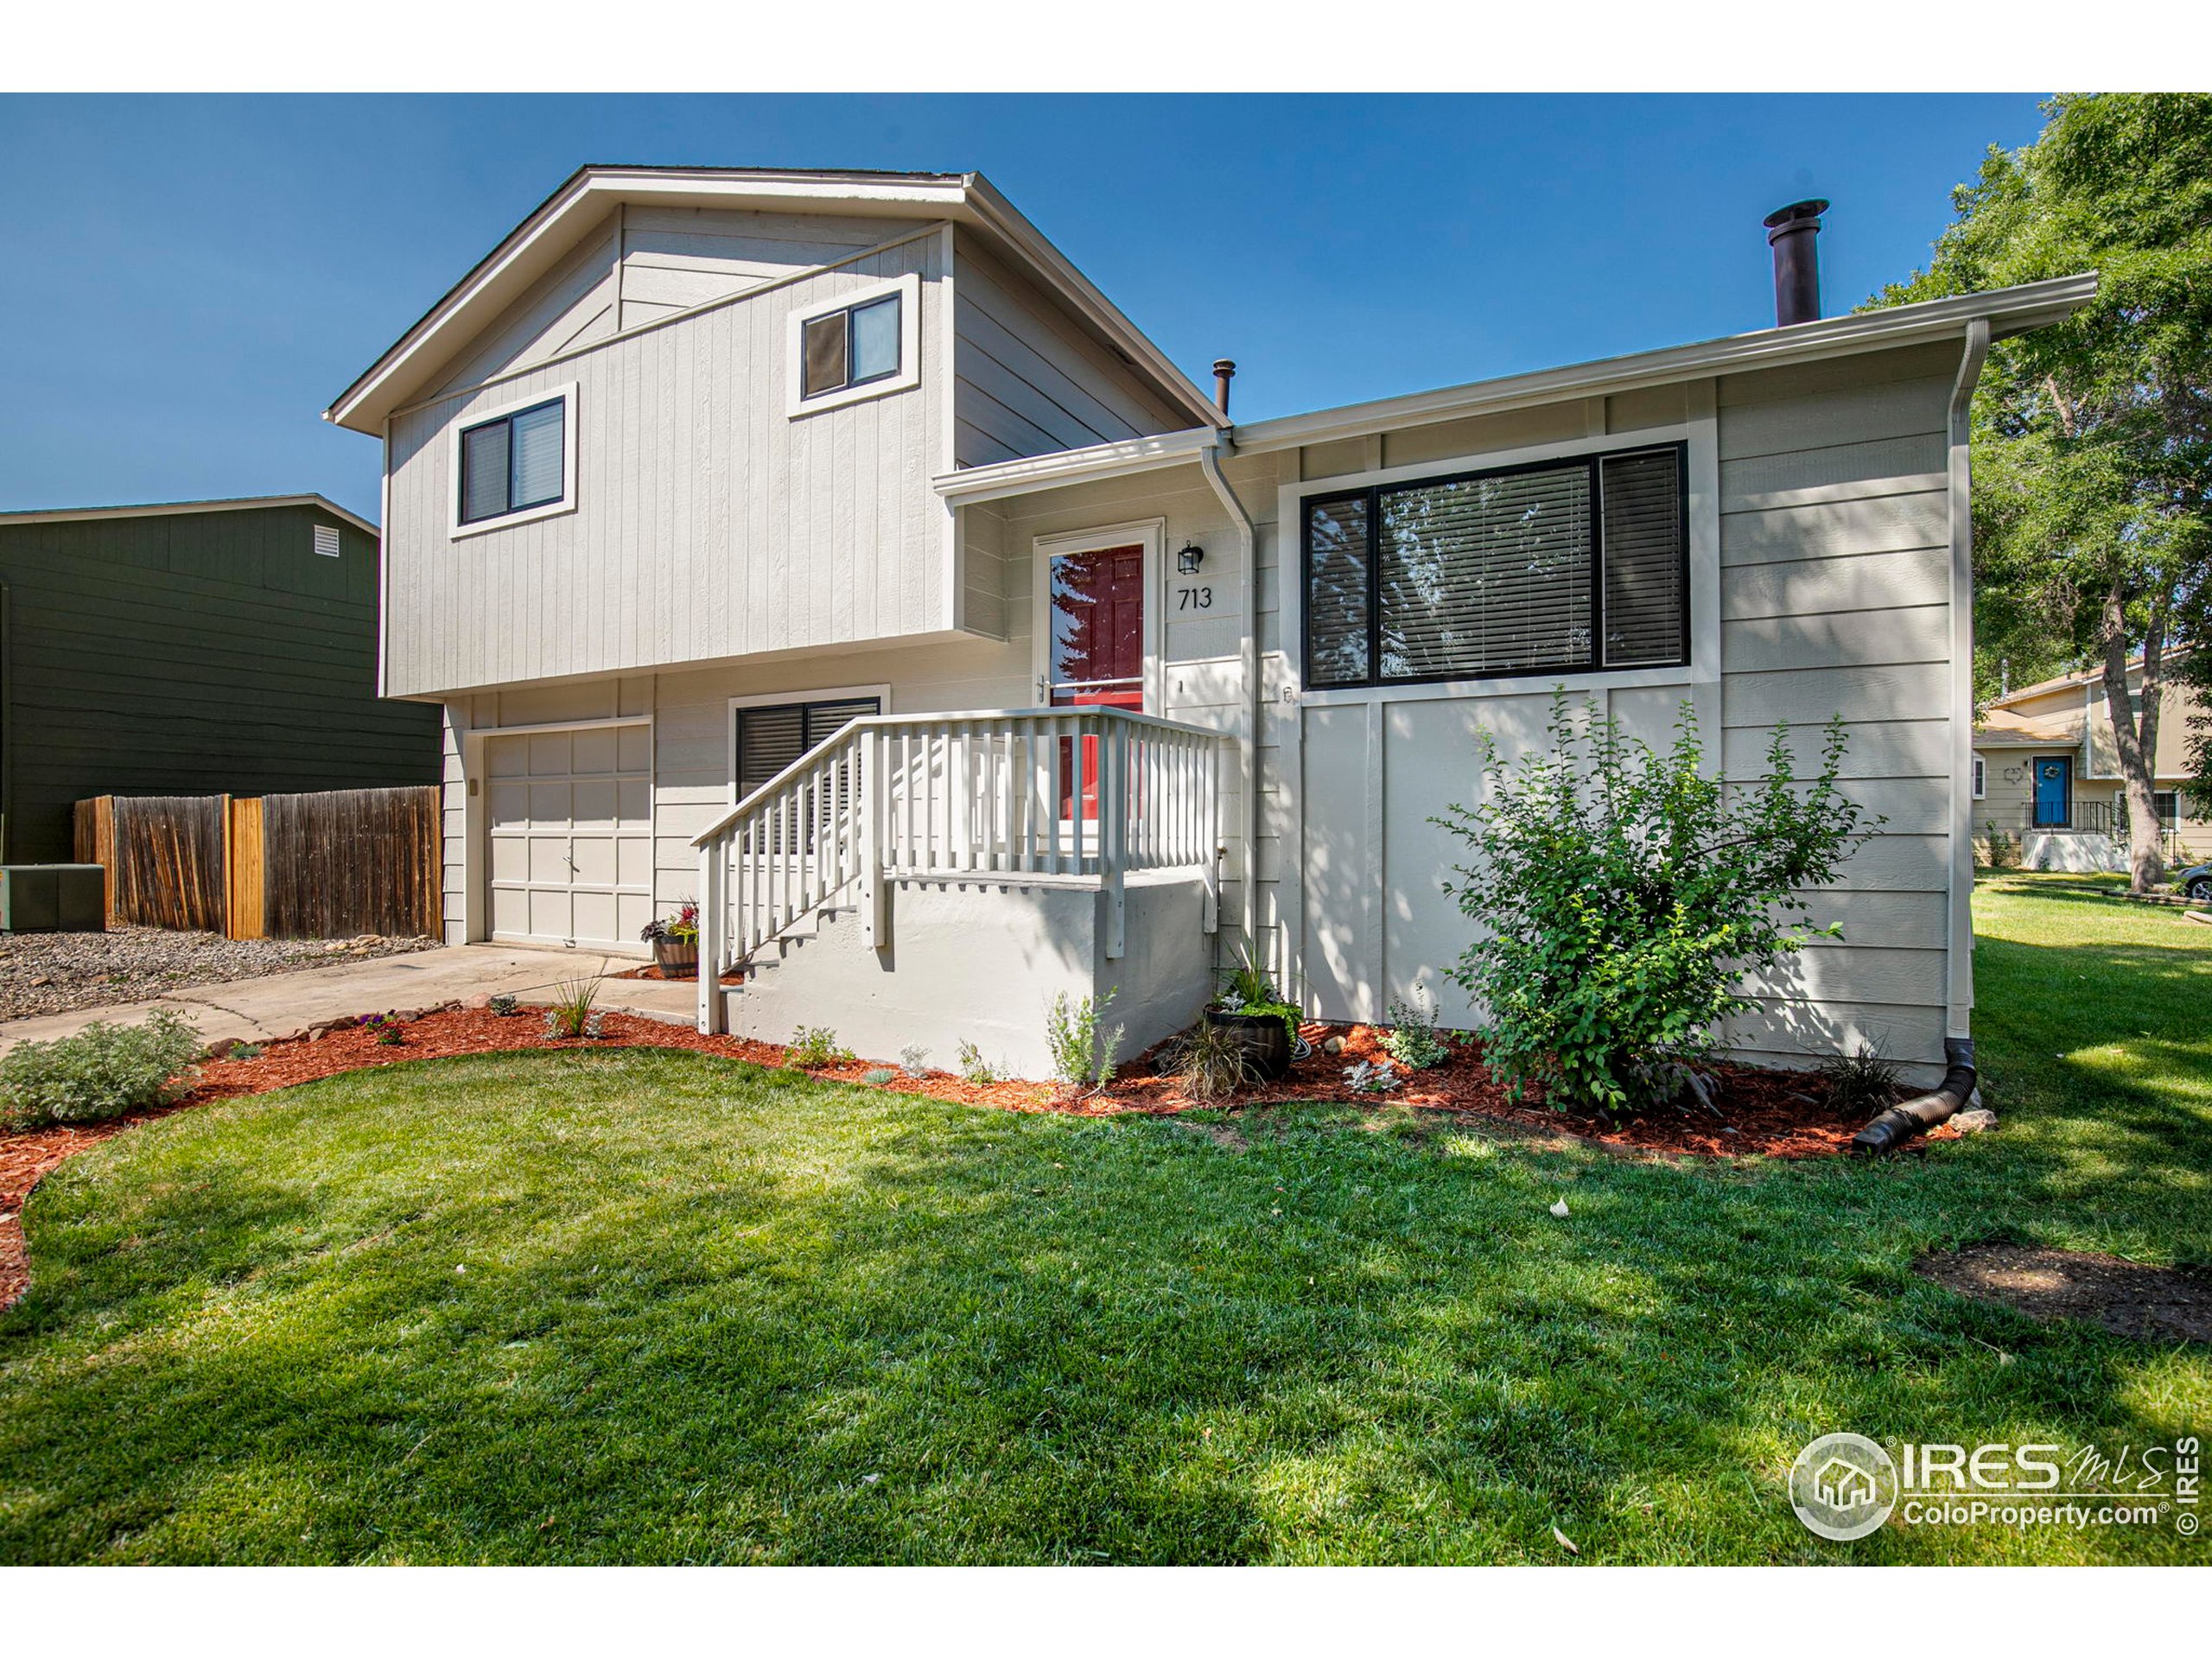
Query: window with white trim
{"x": 1559, "y": 566}
{"x": 864, "y": 343}
{"x": 1981, "y": 779}
{"x": 514, "y": 461}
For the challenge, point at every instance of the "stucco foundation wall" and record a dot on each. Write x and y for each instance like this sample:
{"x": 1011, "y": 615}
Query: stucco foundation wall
{"x": 980, "y": 962}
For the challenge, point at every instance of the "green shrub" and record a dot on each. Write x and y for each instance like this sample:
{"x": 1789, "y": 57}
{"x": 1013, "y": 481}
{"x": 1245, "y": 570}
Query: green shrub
{"x": 1411, "y": 1040}
{"x": 1861, "y": 1083}
{"x": 506, "y": 1004}
{"x": 2004, "y": 850}
{"x": 974, "y": 1068}
{"x": 1625, "y": 894}
{"x": 814, "y": 1046}
{"x": 1082, "y": 1055}
{"x": 881, "y": 1075}
{"x": 103, "y": 1072}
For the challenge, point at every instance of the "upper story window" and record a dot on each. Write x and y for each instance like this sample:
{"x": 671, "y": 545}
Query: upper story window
{"x": 1556, "y": 567}
{"x": 861, "y": 345}
{"x": 515, "y": 463}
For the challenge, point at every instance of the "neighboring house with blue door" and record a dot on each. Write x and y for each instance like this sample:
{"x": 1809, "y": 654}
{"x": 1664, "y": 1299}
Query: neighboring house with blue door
{"x": 826, "y": 547}
{"x": 2046, "y": 773}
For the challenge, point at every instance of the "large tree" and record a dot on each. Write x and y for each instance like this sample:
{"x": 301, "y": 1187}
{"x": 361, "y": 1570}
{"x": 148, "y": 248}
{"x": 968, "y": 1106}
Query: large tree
{"x": 2093, "y": 438}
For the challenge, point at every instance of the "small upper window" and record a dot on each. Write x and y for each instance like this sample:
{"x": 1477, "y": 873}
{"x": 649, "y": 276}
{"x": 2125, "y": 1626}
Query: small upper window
{"x": 1981, "y": 779}
{"x": 325, "y": 540}
{"x": 514, "y": 463}
{"x": 853, "y": 346}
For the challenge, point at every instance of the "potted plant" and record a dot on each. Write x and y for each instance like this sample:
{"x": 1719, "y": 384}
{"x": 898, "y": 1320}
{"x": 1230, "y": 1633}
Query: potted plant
{"x": 1250, "y": 1007}
{"x": 675, "y": 939}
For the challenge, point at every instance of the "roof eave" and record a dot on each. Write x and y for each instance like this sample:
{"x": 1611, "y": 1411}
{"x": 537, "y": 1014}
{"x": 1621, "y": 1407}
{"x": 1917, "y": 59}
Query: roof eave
{"x": 2009, "y": 311}
{"x": 161, "y": 509}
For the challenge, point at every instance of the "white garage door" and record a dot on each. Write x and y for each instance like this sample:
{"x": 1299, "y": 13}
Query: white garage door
{"x": 571, "y": 828}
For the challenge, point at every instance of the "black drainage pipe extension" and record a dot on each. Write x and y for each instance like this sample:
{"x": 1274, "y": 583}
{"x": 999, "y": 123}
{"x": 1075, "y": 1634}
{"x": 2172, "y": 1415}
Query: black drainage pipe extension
{"x": 1900, "y": 1124}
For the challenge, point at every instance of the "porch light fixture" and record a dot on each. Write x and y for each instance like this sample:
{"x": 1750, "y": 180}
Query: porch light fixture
{"x": 1190, "y": 558}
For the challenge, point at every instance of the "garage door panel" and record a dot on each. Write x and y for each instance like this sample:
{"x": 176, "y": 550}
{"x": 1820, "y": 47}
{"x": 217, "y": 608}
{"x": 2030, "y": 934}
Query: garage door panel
{"x": 591, "y": 861}
{"x": 634, "y": 799}
{"x": 509, "y": 806}
{"x": 592, "y": 751}
{"x": 510, "y": 858}
{"x": 548, "y": 752}
{"x": 510, "y": 909}
{"x": 550, "y": 913}
{"x": 633, "y": 749}
{"x": 592, "y": 802}
{"x": 632, "y": 912}
{"x": 595, "y": 916}
{"x": 634, "y": 863}
{"x": 548, "y": 802}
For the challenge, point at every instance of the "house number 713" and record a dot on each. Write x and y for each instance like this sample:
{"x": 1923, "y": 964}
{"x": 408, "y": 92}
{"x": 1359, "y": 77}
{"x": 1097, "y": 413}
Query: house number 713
{"x": 1194, "y": 599}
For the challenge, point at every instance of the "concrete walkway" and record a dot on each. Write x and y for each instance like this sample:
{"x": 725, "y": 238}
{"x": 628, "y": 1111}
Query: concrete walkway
{"x": 258, "y": 1009}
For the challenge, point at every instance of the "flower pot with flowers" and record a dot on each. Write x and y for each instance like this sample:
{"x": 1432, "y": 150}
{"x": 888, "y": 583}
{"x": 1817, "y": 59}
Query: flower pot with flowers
{"x": 675, "y": 939}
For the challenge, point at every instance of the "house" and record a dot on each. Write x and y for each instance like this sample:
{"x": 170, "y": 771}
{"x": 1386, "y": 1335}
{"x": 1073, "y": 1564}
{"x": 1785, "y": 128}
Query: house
{"x": 191, "y": 648}
{"x": 825, "y": 547}
{"x": 2046, "y": 774}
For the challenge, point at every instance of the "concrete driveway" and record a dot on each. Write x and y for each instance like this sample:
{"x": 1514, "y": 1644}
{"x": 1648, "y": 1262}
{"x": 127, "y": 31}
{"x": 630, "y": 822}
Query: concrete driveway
{"x": 258, "y": 1009}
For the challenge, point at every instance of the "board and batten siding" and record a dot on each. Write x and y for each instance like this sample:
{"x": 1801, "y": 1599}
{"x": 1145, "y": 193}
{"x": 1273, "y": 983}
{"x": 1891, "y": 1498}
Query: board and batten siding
{"x": 709, "y": 524}
{"x": 1029, "y": 381}
{"x": 193, "y": 653}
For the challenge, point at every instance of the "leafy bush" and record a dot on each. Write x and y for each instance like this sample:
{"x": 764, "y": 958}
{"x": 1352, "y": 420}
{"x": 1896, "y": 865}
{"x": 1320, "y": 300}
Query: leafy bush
{"x": 881, "y": 1075}
{"x": 974, "y": 1068}
{"x": 814, "y": 1046}
{"x": 1862, "y": 1082}
{"x": 1249, "y": 988}
{"x": 1210, "y": 1062}
{"x": 1411, "y": 1040}
{"x": 103, "y": 1072}
{"x": 571, "y": 1014}
{"x": 2004, "y": 850}
{"x": 505, "y": 1004}
{"x": 1625, "y": 894}
{"x": 915, "y": 1058}
{"x": 1082, "y": 1055}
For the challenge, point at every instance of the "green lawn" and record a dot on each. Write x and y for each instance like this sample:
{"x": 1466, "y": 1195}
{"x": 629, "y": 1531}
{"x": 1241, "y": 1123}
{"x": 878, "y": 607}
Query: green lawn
{"x": 566, "y": 1307}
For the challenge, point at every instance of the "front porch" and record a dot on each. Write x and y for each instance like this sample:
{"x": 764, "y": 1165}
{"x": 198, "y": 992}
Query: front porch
{"x": 937, "y": 880}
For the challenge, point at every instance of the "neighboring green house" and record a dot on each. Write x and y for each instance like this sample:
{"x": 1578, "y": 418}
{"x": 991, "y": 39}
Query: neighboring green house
{"x": 195, "y": 648}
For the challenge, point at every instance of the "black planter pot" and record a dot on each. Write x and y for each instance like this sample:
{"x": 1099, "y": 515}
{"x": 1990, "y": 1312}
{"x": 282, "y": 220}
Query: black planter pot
{"x": 1265, "y": 1037}
{"x": 676, "y": 956}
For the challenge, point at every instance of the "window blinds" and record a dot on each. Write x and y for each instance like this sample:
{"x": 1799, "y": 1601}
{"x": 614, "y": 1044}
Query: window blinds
{"x": 1643, "y": 558}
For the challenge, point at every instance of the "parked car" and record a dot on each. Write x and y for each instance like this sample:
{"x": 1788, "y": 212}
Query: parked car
{"x": 2195, "y": 883}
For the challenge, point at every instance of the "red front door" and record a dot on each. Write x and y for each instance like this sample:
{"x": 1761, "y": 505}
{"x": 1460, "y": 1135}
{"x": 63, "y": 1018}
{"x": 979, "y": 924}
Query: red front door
{"x": 1096, "y": 647}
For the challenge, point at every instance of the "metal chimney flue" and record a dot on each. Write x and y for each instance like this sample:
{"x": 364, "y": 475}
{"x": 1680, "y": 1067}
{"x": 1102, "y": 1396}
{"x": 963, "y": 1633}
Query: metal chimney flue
{"x": 1790, "y": 232}
{"x": 1224, "y": 371}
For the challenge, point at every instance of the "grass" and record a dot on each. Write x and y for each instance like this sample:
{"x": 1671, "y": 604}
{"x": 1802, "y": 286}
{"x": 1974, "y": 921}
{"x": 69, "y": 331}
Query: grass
{"x": 653, "y": 1306}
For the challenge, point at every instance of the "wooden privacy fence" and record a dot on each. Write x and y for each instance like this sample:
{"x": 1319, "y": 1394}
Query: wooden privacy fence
{"x": 286, "y": 867}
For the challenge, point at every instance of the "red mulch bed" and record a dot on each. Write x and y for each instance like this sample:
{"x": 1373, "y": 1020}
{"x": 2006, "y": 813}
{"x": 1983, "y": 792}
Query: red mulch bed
{"x": 1775, "y": 1114}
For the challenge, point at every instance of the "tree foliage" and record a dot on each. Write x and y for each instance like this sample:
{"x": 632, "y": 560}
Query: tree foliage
{"x": 1626, "y": 894}
{"x": 2093, "y": 438}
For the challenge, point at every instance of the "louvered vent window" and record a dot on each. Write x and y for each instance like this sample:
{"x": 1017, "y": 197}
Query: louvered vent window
{"x": 325, "y": 540}
{"x": 770, "y": 737}
{"x": 1563, "y": 566}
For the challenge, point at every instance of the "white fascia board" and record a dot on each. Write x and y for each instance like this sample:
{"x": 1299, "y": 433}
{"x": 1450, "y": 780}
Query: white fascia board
{"x": 2009, "y": 311}
{"x": 1031, "y": 472}
{"x": 156, "y": 508}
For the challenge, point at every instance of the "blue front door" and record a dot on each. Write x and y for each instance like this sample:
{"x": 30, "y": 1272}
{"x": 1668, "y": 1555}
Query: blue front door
{"x": 2054, "y": 793}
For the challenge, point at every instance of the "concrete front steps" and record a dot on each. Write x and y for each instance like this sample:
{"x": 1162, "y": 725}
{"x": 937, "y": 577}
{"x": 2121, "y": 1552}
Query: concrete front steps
{"x": 980, "y": 961}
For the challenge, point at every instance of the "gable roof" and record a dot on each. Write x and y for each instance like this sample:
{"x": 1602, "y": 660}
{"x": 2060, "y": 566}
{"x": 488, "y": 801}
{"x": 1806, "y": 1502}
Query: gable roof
{"x": 2081, "y": 676}
{"x": 153, "y": 509}
{"x": 560, "y": 222}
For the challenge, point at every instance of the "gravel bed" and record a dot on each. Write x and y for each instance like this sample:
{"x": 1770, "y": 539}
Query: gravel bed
{"x": 53, "y": 973}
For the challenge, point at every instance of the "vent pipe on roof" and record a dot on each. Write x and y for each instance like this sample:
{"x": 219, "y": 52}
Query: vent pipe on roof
{"x": 1224, "y": 371}
{"x": 1790, "y": 232}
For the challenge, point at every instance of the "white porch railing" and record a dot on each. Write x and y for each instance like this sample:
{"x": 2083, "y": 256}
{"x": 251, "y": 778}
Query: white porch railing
{"x": 1081, "y": 796}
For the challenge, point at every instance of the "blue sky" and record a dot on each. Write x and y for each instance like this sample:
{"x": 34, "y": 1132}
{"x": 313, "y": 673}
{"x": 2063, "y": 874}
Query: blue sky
{"x": 191, "y": 280}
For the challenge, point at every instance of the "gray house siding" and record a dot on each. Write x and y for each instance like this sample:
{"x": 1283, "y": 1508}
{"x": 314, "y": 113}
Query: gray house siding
{"x": 709, "y": 524}
{"x": 193, "y": 654}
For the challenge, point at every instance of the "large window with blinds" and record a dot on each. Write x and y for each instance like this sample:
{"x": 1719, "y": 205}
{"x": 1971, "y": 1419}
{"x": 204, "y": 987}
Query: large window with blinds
{"x": 768, "y": 737}
{"x": 1554, "y": 568}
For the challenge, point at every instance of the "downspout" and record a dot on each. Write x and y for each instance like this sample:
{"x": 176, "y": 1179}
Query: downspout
{"x": 1900, "y": 1124}
{"x": 1247, "y": 758}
